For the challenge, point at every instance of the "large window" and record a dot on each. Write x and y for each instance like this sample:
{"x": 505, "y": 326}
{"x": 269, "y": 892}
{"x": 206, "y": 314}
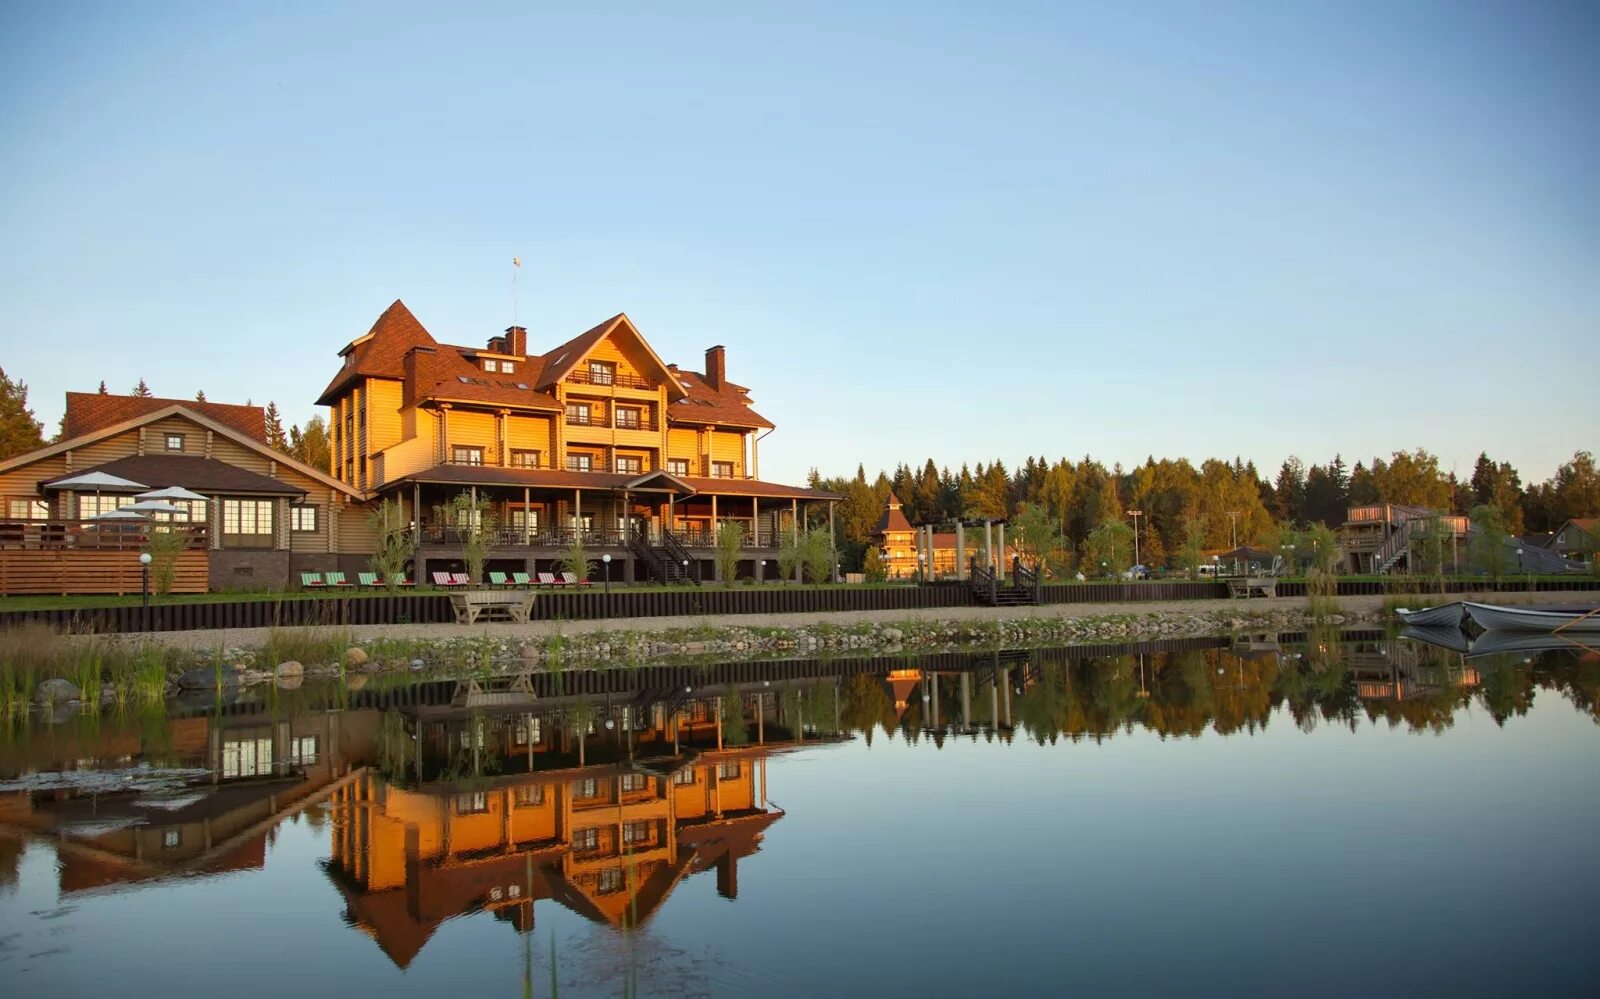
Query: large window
{"x": 580, "y": 462}
{"x": 472, "y": 803}
{"x": 722, "y": 469}
{"x": 525, "y": 518}
{"x": 611, "y": 881}
{"x": 585, "y": 840}
{"x": 684, "y": 777}
{"x": 727, "y": 771}
{"x": 630, "y": 463}
{"x": 303, "y": 750}
{"x": 462, "y": 455}
{"x": 602, "y": 372}
{"x": 586, "y": 788}
{"x": 247, "y": 517}
{"x": 585, "y": 414}
{"x": 530, "y": 795}
{"x": 678, "y": 466}
{"x": 524, "y": 459}
{"x": 634, "y": 782}
{"x": 303, "y": 519}
{"x": 28, "y": 509}
{"x": 246, "y": 758}
{"x": 635, "y": 832}
{"x": 629, "y": 418}
{"x": 93, "y": 506}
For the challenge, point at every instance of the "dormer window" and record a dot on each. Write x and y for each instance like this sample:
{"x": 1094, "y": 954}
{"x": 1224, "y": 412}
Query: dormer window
{"x": 174, "y": 442}
{"x": 507, "y": 367}
{"x": 490, "y": 364}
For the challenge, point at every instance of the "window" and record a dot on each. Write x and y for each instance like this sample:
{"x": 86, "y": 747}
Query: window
{"x": 602, "y": 372}
{"x": 684, "y": 777}
{"x": 530, "y": 520}
{"x": 727, "y": 771}
{"x": 508, "y": 367}
{"x": 466, "y": 455}
{"x": 302, "y": 519}
{"x": 583, "y": 414}
{"x": 629, "y": 418}
{"x": 630, "y": 463}
{"x": 610, "y": 881}
{"x": 174, "y": 442}
{"x": 580, "y": 462}
{"x": 634, "y": 782}
{"x": 524, "y": 459}
{"x": 586, "y": 788}
{"x": 246, "y": 517}
{"x": 678, "y": 466}
{"x": 171, "y": 839}
{"x": 525, "y": 730}
{"x": 722, "y": 469}
{"x": 303, "y": 750}
{"x": 247, "y": 758}
{"x": 635, "y": 832}
{"x": 472, "y": 803}
{"x": 37, "y": 509}
{"x": 530, "y": 796}
{"x": 490, "y": 364}
{"x": 586, "y": 839}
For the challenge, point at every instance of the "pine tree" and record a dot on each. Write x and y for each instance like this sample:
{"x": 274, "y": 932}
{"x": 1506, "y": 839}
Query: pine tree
{"x": 142, "y": 390}
{"x": 200, "y": 396}
{"x": 19, "y": 431}
{"x": 103, "y": 390}
{"x": 276, "y": 438}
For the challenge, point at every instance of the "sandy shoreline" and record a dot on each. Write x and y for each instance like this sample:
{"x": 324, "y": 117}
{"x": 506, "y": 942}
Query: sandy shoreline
{"x": 1365, "y": 608}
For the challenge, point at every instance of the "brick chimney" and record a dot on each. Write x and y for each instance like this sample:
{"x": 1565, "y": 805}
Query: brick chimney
{"x": 517, "y": 341}
{"x": 414, "y": 357}
{"x": 716, "y": 366}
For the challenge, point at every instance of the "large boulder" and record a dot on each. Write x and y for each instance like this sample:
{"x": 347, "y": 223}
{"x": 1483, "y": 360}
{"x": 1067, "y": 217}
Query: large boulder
{"x": 56, "y": 691}
{"x": 291, "y": 668}
{"x": 355, "y": 656}
{"x": 206, "y": 678}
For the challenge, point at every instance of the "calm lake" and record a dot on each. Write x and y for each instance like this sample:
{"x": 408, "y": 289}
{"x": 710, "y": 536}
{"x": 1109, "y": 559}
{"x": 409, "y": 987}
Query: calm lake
{"x": 1349, "y": 814}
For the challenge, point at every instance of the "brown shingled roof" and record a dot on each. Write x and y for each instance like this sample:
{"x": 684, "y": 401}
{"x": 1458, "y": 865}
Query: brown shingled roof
{"x": 204, "y": 475}
{"x": 381, "y": 353}
{"x": 727, "y": 406}
{"x": 91, "y": 411}
{"x": 893, "y": 519}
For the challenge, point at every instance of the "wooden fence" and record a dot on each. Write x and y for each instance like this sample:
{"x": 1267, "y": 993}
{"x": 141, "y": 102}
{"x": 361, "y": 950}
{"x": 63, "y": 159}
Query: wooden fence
{"x": 37, "y": 571}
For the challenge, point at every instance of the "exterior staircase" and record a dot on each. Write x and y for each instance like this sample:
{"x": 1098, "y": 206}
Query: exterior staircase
{"x": 664, "y": 559}
{"x": 991, "y": 589}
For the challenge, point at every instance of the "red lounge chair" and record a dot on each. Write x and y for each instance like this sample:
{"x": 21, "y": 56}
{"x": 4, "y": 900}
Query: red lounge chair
{"x": 460, "y": 579}
{"x": 549, "y": 579}
{"x": 442, "y": 579}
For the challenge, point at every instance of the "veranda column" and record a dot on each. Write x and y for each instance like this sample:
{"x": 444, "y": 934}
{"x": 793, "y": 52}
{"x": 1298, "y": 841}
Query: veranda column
{"x": 1002, "y": 565}
{"x": 527, "y": 517}
{"x": 716, "y": 564}
{"x": 794, "y": 533}
{"x": 988, "y": 545}
{"x": 961, "y": 551}
{"x": 833, "y": 544}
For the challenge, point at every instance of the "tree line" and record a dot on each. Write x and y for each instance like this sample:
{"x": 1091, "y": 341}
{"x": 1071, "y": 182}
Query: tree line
{"x": 1217, "y": 505}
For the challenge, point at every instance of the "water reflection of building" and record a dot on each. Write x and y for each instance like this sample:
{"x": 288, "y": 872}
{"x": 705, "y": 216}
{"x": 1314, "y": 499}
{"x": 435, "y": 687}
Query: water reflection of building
{"x": 1391, "y": 670}
{"x": 126, "y": 830}
{"x": 603, "y": 809}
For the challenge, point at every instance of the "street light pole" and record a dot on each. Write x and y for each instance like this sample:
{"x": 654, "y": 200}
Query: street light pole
{"x": 144, "y": 586}
{"x": 1233, "y": 527}
{"x": 606, "y": 558}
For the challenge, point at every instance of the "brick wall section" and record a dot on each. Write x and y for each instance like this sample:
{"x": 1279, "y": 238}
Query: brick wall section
{"x": 249, "y": 569}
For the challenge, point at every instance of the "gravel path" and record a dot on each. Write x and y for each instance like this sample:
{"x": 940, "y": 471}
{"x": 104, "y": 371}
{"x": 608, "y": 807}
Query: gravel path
{"x": 1365, "y": 606}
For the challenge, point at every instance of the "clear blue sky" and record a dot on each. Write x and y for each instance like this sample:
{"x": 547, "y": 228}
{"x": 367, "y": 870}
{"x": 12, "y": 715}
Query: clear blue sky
{"x": 1180, "y": 229}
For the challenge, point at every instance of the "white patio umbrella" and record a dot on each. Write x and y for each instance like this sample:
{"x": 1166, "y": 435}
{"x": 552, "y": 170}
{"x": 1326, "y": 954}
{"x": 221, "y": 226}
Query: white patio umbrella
{"x": 119, "y": 515}
{"x": 96, "y": 481}
{"x": 172, "y": 493}
{"x": 154, "y": 506}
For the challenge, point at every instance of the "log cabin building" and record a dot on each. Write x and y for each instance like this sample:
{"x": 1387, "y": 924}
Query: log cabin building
{"x": 264, "y": 516}
{"x": 596, "y": 437}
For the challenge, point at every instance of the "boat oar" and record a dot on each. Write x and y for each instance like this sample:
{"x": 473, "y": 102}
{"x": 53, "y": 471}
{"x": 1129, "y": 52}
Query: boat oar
{"x": 1583, "y": 617}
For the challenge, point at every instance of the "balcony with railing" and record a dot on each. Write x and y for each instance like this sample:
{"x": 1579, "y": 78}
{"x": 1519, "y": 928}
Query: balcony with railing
{"x": 116, "y": 534}
{"x": 608, "y": 379}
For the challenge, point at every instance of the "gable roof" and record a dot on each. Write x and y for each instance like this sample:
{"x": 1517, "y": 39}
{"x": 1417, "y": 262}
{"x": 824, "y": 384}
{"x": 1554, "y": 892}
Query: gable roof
{"x": 381, "y": 352}
{"x": 185, "y": 410}
{"x": 91, "y": 411}
{"x": 558, "y": 362}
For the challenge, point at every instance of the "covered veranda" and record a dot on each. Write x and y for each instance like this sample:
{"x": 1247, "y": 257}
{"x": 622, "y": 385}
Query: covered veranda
{"x": 534, "y": 515}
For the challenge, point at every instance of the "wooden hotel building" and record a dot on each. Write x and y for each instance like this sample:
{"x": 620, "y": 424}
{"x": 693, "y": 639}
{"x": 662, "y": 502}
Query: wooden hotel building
{"x": 597, "y": 437}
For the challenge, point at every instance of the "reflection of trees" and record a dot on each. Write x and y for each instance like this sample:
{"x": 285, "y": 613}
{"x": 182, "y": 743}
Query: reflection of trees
{"x": 865, "y": 704}
{"x": 1186, "y": 693}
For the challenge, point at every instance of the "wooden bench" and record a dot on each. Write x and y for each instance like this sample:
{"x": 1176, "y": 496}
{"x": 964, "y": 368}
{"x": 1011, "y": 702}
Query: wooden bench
{"x": 1245, "y": 587}
{"x": 491, "y": 605}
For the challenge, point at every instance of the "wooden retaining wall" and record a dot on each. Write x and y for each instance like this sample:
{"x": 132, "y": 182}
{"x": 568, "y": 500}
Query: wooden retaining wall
{"x": 595, "y": 604}
{"x": 55, "y": 571}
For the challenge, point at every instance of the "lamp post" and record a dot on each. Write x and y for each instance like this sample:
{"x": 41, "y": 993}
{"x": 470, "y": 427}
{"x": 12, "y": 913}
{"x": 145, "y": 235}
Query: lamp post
{"x": 1135, "y": 514}
{"x": 606, "y": 558}
{"x": 1519, "y": 559}
{"x": 1233, "y": 526}
{"x": 1292, "y": 566}
{"x": 685, "y": 569}
{"x": 144, "y": 585}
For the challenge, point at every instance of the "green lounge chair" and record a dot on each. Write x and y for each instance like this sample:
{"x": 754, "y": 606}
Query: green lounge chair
{"x": 400, "y": 579}
{"x": 498, "y": 579}
{"x": 522, "y": 579}
{"x": 368, "y": 580}
{"x": 335, "y": 579}
{"x": 311, "y": 581}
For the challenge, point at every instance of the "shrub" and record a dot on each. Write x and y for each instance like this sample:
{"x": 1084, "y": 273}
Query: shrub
{"x": 730, "y": 542}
